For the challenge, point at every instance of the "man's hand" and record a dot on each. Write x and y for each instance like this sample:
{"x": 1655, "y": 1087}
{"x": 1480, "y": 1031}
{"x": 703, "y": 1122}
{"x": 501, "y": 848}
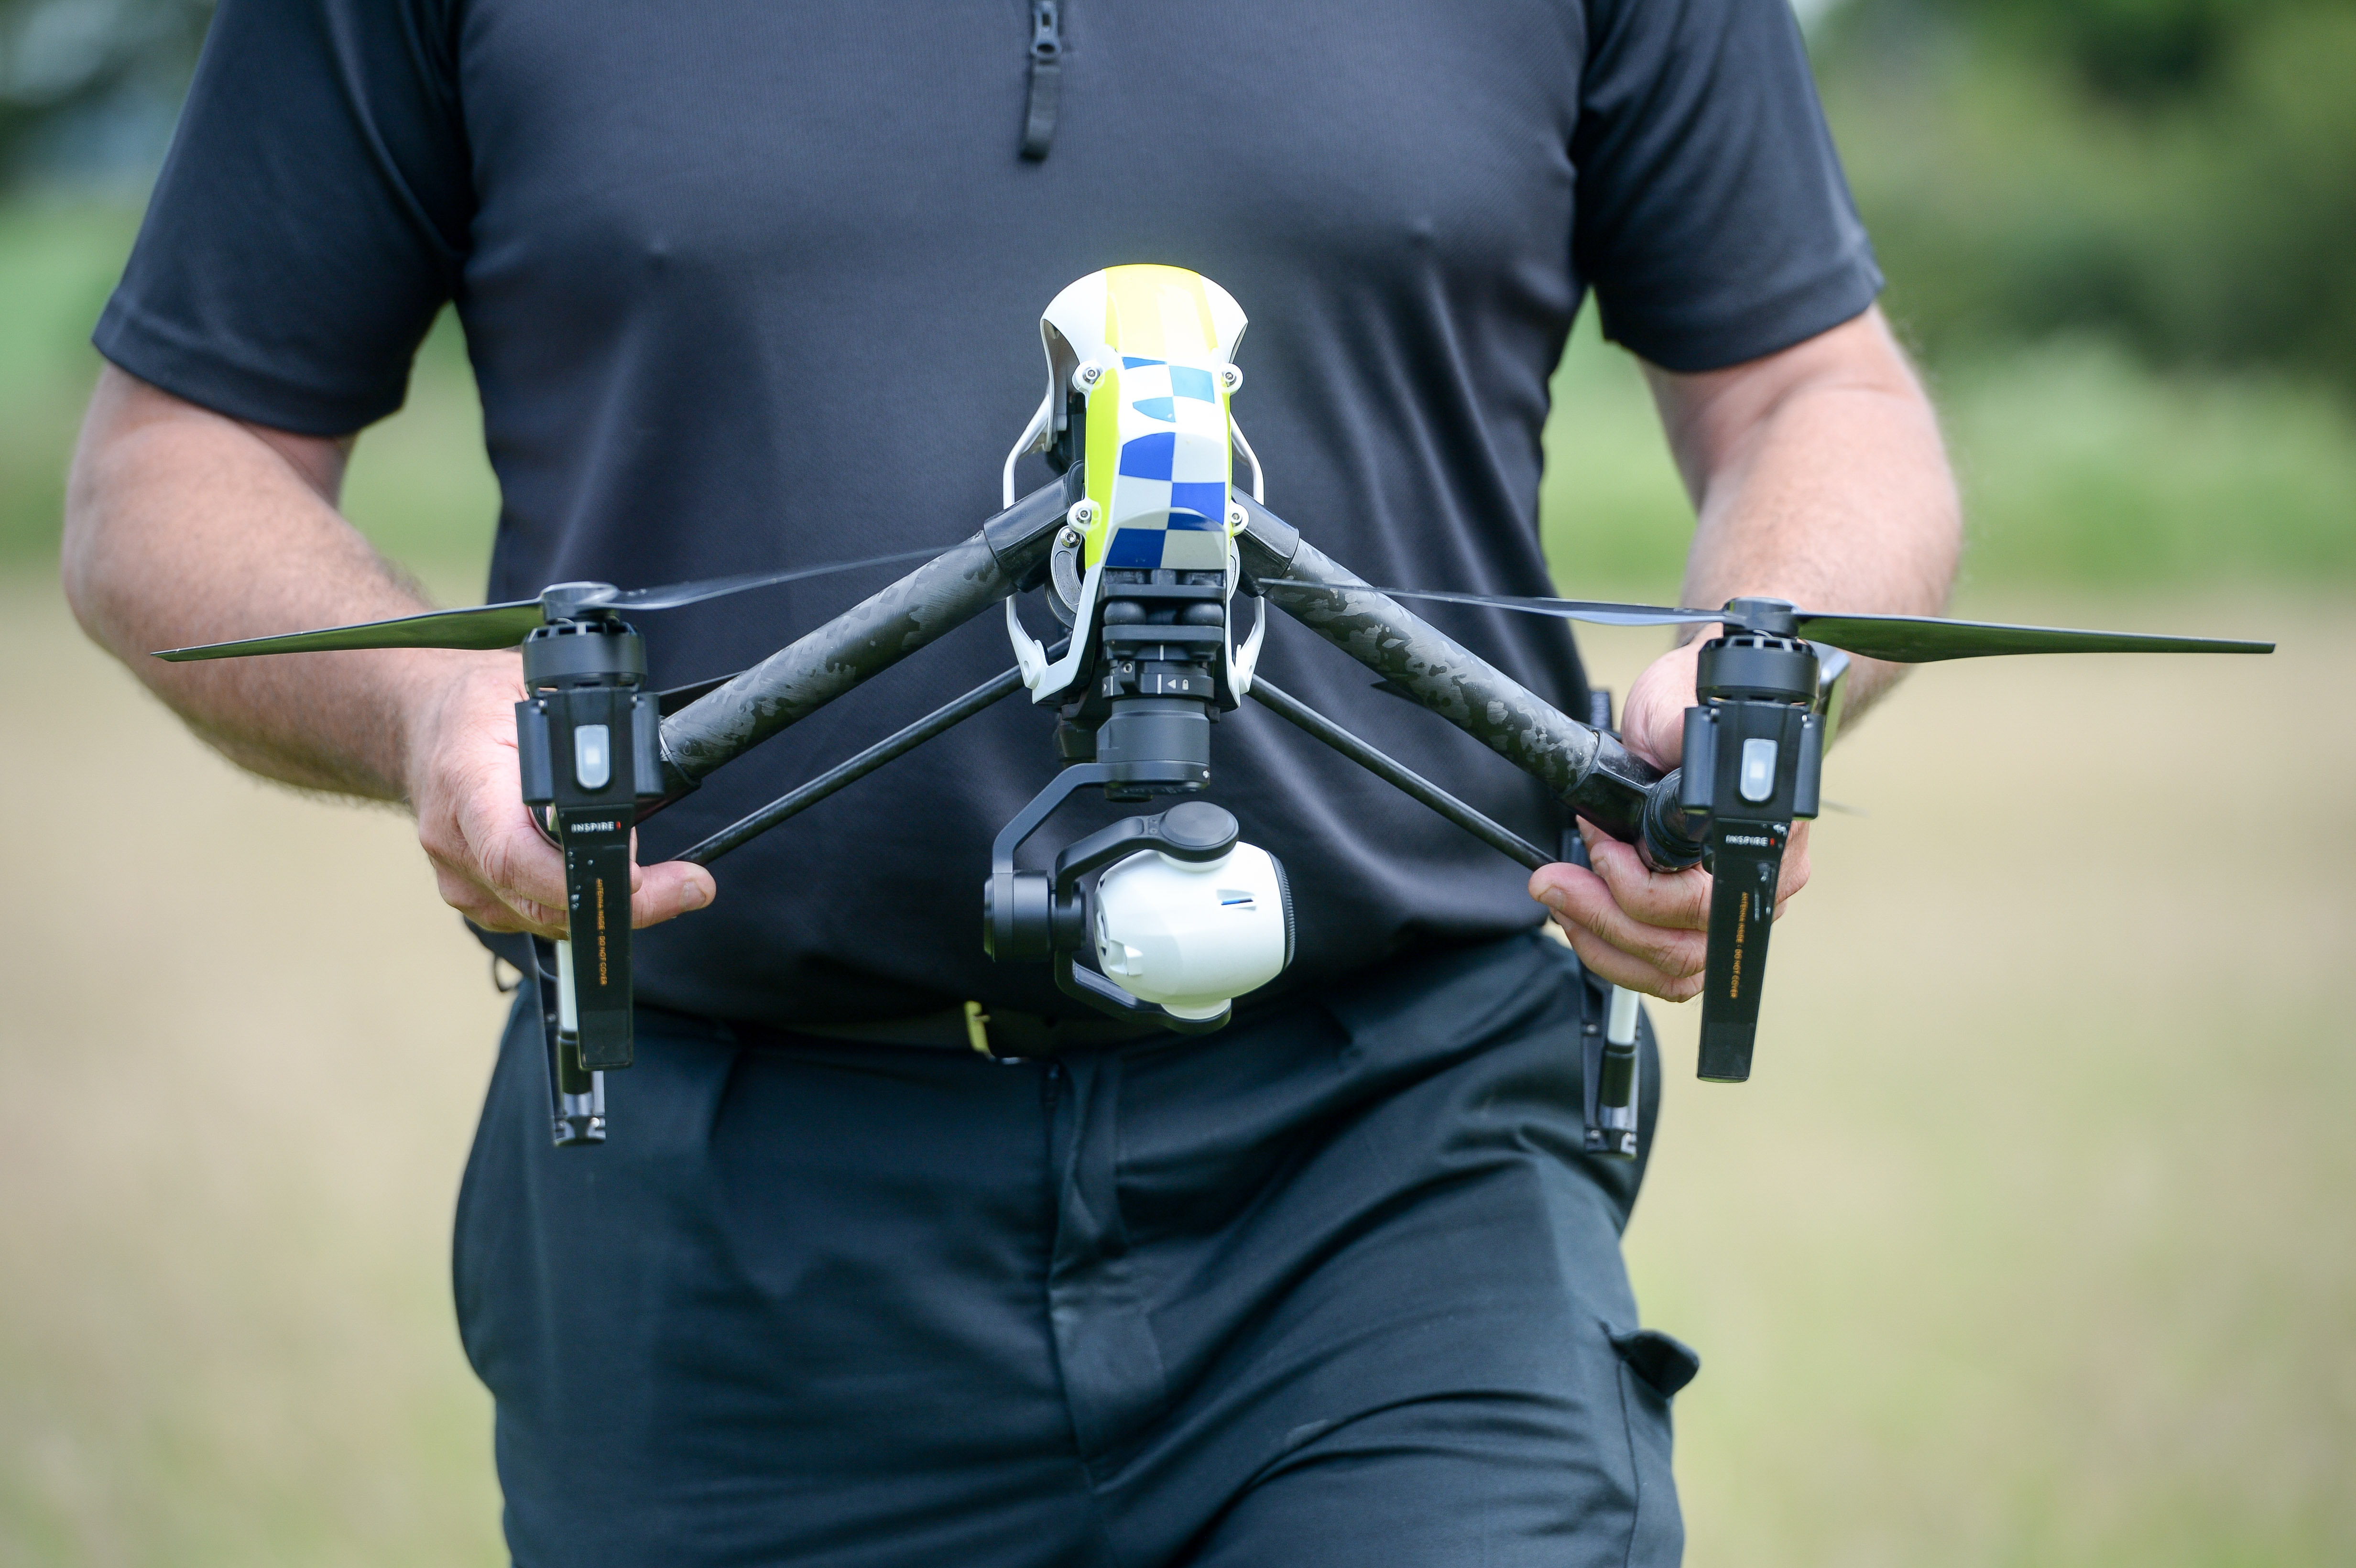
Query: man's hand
{"x": 183, "y": 526}
{"x": 491, "y": 864}
{"x": 1817, "y": 476}
{"x": 1640, "y": 928}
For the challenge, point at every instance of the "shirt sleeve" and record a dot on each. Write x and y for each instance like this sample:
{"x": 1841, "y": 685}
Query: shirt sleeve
{"x": 1714, "y": 223}
{"x": 310, "y": 218}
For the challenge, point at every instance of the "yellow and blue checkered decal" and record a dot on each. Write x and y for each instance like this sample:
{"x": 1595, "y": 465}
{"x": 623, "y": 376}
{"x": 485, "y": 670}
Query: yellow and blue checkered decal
{"x": 1173, "y": 468}
{"x": 1155, "y": 342}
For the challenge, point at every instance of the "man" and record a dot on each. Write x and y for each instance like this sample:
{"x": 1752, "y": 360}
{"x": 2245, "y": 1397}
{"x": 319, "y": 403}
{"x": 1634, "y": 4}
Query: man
{"x": 751, "y": 284}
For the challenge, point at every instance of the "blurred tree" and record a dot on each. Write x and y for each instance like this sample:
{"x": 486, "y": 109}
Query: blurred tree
{"x": 2179, "y": 173}
{"x": 2140, "y": 51}
{"x": 89, "y": 83}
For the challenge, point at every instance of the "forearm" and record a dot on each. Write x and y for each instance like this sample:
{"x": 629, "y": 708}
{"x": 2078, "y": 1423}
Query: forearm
{"x": 186, "y": 527}
{"x": 1818, "y": 476}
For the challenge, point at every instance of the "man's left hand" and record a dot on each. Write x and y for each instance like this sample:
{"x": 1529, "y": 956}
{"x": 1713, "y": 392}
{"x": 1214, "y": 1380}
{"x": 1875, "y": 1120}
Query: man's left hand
{"x": 1816, "y": 475}
{"x": 1644, "y": 929}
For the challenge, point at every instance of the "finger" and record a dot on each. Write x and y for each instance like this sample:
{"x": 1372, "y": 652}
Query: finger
{"x": 1583, "y": 901}
{"x": 1653, "y": 720}
{"x": 473, "y": 901}
{"x": 545, "y": 920}
{"x": 511, "y": 857}
{"x": 1678, "y": 900}
{"x": 1626, "y": 970}
{"x": 667, "y": 890}
{"x": 1794, "y": 874}
{"x": 466, "y": 893}
{"x": 503, "y": 854}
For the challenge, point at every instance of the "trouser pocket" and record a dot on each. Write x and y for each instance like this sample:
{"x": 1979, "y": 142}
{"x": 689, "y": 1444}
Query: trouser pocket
{"x": 1652, "y": 1366}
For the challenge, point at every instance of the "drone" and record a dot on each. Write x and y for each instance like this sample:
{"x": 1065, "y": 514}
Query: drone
{"x": 1142, "y": 548}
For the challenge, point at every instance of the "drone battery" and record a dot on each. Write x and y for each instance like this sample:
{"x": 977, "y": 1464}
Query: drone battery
{"x": 576, "y": 1095}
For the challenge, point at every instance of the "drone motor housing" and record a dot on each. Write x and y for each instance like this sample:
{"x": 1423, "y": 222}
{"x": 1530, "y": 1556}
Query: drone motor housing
{"x": 589, "y": 752}
{"x": 1753, "y": 754}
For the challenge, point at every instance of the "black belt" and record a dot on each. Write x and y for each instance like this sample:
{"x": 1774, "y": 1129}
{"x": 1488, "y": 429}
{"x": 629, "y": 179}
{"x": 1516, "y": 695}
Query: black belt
{"x": 1003, "y": 1033}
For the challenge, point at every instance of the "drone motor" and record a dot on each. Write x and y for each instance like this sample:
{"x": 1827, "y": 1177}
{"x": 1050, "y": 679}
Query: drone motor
{"x": 1754, "y": 753}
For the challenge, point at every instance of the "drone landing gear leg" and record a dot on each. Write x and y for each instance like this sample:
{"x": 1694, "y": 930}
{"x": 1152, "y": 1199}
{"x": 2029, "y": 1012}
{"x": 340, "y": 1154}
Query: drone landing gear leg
{"x": 1405, "y": 780}
{"x": 1611, "y": 1071}
{"x": 576, "y": 1094}
{"x": 1754, "y": 751}
{"x": 1610, "y": 1066}
{"x": 1610, "y": 1053}
{"x": 940, "y": 720}
{"x": 1745, "y": 867}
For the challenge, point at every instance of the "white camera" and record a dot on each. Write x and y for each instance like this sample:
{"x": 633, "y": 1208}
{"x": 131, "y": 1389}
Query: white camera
{"x": 1193, "y": 935}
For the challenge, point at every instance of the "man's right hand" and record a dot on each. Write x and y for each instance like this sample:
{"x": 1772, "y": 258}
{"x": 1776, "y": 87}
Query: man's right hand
{"x": 184, "y": 526}
{"x": 491, "y": 864}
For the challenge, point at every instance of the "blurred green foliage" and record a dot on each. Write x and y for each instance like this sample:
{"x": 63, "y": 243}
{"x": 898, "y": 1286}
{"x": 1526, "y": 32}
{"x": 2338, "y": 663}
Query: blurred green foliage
{"x": 418, "y": 483}
{"x": 2178, "y": 174}
{"x": 56, "y": 263}
{"x": 2079, "y": 467}
{"x": 88, "y": 86}
{"x": 2123, "y": 233}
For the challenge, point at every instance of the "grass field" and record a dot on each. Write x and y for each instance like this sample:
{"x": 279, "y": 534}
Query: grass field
{"x": 2028, "y": 1244}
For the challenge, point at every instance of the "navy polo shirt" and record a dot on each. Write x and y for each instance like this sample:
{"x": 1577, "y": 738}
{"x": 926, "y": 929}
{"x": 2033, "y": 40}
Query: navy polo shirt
{"x": 751, "y": 284}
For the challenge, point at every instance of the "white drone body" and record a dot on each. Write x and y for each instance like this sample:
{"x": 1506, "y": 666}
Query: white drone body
{"x": 1145, "y": 356}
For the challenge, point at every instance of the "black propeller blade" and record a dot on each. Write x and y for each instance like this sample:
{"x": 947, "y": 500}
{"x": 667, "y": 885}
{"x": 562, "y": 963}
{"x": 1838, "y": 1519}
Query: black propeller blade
{"x": 481, "y": 629}
{"x": 680, "y": 593}
{"x": 484, "y": 628}
{"x": 1922, "y": 639}
{"x": 1599, "y": 612}
{"x": 1900, "y": 639}
{"x": 677, "y": 696}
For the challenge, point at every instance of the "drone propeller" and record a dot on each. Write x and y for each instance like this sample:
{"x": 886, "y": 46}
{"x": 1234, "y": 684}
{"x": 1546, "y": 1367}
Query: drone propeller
{"x": 1924, "y": 639}
{"x": 484, "y": 628}
{"x": 1596, "y": 611}
{"x": 1900, "y": 639}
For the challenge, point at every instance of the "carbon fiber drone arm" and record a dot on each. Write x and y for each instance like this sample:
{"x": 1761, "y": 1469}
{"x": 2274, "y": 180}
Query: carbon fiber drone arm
{"x": 870, "y": 637}
{"x": 1587, "y": 768}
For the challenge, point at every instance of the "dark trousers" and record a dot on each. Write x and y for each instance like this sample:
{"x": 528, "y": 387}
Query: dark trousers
{"x": 1334, "y": 1286}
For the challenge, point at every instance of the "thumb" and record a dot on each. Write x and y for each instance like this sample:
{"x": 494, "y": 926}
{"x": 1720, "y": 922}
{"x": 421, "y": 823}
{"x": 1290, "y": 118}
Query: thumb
{"x": 1653, "y": 724}
{"x": 668, "y": 889}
